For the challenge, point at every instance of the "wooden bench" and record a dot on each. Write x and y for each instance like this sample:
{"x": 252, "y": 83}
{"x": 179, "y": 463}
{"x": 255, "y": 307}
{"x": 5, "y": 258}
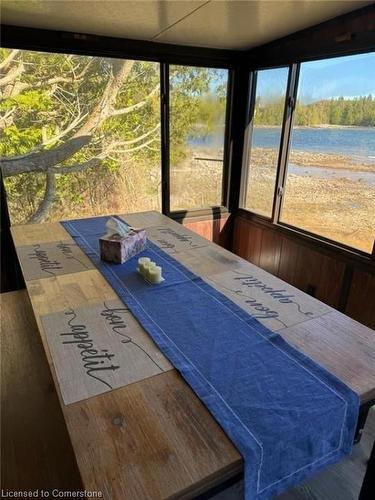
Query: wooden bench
{"x": 36, "y": 452}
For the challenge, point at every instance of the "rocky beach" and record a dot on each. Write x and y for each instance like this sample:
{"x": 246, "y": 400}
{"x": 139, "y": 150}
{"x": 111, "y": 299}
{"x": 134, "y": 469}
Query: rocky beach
{"x": 327, "y": 194}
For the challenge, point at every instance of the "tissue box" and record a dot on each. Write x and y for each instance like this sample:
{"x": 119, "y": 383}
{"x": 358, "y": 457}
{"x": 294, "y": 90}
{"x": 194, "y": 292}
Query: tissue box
{"x": 120, "y": 249}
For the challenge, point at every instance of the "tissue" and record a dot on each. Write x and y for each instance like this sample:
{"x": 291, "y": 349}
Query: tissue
{"x": 116, "y": 228}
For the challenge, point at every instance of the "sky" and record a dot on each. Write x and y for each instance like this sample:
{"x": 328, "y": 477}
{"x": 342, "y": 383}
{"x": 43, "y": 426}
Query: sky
{"x": 348, "y": 76}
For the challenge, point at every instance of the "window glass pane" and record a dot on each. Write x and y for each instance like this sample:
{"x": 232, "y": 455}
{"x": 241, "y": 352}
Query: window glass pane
{"x": 197, "y": 129}
{"x": 330, "y": 188}
{"x": 265, "y": 142}
{"x": 92, "y": 122}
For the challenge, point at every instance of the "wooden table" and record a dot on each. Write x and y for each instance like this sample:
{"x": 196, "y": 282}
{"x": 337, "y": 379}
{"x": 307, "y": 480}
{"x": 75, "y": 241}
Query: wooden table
{"x": 154, "y": 439}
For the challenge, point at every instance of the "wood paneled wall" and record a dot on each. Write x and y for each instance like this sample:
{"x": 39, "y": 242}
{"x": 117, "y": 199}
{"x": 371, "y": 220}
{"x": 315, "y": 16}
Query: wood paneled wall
{"x": 217, "y": 230}
{"x": 329, "y": 278}
{"x": 361, "y": 300}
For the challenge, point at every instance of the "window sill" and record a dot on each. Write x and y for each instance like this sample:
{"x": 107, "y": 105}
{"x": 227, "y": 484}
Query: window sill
{"x": 203, "y": 214}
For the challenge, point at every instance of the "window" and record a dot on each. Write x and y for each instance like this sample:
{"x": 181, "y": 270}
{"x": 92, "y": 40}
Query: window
{"x": 329, "y": 179}
{"x": 271, "y": 85}
{"x": 330, "y": 186}
{"x": 100, "y": 120}
{"x": 197, "y": 131}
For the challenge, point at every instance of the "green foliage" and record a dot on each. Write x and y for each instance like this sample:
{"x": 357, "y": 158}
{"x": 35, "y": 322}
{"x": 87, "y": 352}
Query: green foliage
{"x": 18, "y": 141}
{"x": 32, "y": 100}
{"x": 55, "y": 91}
{"x": 359, "y": 111}
{"x": 270, "y": 113}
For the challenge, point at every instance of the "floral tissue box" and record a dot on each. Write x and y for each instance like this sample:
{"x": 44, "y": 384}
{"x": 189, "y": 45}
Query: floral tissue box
{"x": 119, "y": 249}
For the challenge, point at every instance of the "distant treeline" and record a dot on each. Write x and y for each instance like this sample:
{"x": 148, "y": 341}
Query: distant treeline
{"x": 359, "y": 111}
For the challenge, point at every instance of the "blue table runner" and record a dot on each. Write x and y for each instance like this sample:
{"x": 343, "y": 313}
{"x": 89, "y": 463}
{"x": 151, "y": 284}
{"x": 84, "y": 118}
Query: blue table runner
{"x": 287, "y": 415}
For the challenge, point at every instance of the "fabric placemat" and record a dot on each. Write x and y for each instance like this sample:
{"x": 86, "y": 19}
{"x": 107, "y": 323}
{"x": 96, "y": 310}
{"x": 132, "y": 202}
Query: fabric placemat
{"x": 99, "y": 347}
{"x": 46, "y": 260}
{"x": 287, "y": 415}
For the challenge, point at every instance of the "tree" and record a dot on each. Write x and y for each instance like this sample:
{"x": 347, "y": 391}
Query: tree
{"x": 358, "y": 111}
{"x": 70, "y": 123}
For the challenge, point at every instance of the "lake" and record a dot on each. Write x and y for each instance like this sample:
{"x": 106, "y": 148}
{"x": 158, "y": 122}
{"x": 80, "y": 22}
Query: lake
{"x": 357, "y": 142}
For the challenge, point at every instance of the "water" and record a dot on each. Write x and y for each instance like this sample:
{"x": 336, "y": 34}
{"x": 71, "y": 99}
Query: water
{"x": 356, "y": 143}
{"x": 364, "y": 177}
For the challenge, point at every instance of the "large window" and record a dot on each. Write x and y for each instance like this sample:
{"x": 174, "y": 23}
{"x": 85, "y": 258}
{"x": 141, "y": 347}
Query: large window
{"x": 267, "y": 122}
{"x": 81, "y": 135}
{"x": 330, "y": 187}
{"x": 197, "y": 131}
{"x": 329, "y": 177}
{"x": 83, "y": 132}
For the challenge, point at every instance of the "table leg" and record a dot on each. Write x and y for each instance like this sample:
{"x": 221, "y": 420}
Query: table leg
{"x": 367, "y": 490}
{"x": 363, "y": 412}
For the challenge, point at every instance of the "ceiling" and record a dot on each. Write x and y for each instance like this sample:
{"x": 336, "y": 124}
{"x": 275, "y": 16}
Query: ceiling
{"x": 226, "y": 24}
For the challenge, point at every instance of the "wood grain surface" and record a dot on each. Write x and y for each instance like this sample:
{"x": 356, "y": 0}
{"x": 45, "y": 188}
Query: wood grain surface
{"x": 36, "y": 452}
{"x": 154, "y": 438}
{"x": 361, "y": 300}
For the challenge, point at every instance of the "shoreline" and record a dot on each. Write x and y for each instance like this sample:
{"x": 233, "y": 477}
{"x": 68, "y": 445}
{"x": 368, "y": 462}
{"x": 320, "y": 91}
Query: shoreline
{"x": 265, "y": 158}
{"x": 323, "y": 126}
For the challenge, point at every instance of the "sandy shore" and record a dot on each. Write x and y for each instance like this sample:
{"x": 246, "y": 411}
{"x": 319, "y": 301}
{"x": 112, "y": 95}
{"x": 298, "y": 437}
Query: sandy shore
{"x": 321, "y": 160}
{"x": 337, "y": 208}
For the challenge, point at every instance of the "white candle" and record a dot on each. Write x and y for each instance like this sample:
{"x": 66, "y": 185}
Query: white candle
{"x": 148, "y": 266}
{"x": 142, "y": 262}
{"x": 149, "y": 270}
{"x": 155, "y": 274}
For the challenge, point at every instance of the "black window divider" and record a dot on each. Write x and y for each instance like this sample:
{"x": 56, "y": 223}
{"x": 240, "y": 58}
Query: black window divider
{"x": 226, "y": 154}
{"x": 287, "y": 125}
{"x": 164, "y": 137}
{"x": 253, "y": 76}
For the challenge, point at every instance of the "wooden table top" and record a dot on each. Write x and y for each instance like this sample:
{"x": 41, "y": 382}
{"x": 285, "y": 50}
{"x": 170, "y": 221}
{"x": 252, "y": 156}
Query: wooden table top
{"x": 154, "y": 438}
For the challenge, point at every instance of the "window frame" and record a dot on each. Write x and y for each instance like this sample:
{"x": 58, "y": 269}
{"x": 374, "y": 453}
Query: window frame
{"x": 284, "y": 150}
{"x": 296, "y": 48}
{"x": 248, "y": 141}
{"x": 165, "y": 143}
{"x": 50, "y": 41}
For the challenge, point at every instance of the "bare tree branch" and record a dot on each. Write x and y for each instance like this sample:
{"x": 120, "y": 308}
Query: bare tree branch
{"x": 116, "y": 144}
{"x": 103, "y": 109}
{"x": 72, "y": 125}
{"x": 93, "y": 162}
{"x": 129, "y": 150}
{"x": 48, "y": 199}
{"x": 9, "y": 59}
{"x": 12, "y": 75}
{"x": 40, "y": 162}
{"x": 134, "y": 107}
{"x": 14, "y": 88}
{"x": 6, "y": 119}
{"x": 50, "y": 189}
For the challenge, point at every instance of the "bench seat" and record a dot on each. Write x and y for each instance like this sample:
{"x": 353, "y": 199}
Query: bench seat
{"x": 36, "y": 452}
